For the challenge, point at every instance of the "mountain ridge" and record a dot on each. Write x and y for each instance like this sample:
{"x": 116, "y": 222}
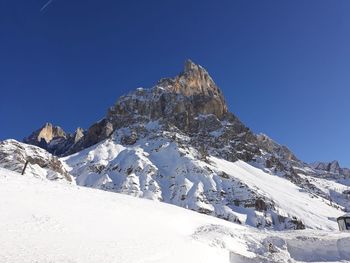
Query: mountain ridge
{"x": 160, "y": 143}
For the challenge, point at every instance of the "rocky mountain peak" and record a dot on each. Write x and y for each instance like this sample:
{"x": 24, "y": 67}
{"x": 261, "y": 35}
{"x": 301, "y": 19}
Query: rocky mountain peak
{"x": 55, "y": 140}
{"x": 189, "y": 66}
{"x": 78, "y": 134}
{"x": 179, "y": 100}
{"x": 332, "y": 167}
{"x": 190, "y": 101}
{"x": 194, "y": 80}
{"x": 45, "y": 134}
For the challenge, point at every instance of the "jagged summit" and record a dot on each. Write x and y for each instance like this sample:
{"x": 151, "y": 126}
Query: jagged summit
{"x": 54, "y": 139}
{"x": 189, "y": 65}
{"x": 190, "y": 101}
{"x": 331, "y": 167}
{"x": 179, "y": 100}
{"x": 45, "y": 134}
{"x": 193, "y": 80}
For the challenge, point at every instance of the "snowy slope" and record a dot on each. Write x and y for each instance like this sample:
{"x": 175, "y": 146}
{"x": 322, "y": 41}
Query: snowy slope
{"x": 45, "y": 221}
{"x": 168, "y": 170}
{"x": 315, "y": 211}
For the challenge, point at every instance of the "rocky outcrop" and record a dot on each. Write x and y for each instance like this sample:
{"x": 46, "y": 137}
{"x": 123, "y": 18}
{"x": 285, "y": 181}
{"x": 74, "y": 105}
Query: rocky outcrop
{"x": 78, "y": 135}
{"x": 55, "y": 140}
{"x": 14, "y": 155}
{"x": 98, "y": 132}
{"x": 45, "y": 135}
{"x": 180, "y": 101}
{"x": 271, "y": 146}
{"x": 331, "y": 167}
{"x": 195, "y": 82}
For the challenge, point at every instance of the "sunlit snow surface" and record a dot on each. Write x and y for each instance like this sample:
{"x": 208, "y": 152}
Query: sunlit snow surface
{"x": 160, "y": 169}
{"x": 45, "y": 221}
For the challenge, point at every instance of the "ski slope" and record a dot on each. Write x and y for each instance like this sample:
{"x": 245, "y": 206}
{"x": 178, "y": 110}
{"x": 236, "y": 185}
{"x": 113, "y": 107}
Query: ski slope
{"x": 46, "y": 221}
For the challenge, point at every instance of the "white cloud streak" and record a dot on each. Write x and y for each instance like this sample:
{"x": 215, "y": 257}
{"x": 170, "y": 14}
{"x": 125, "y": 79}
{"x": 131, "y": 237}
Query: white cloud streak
{"x": 46, "y": 5}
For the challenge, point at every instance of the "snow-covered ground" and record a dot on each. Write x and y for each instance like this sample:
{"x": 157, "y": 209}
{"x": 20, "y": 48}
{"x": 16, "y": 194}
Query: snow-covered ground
{"x": 54, "y": 221}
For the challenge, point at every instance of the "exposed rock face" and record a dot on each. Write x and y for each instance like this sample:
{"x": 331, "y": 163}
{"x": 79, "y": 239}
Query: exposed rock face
{"x": 180, "y": 101}
{"x": 271, "y": 146}
{"x": 45, "y": 135}
{"x": 196, "y": 83}
{"x": 97, "y": 132}
{"x": 54, "y": 139}
{"x": 190, "y": 101}
{"x": 331, "y": 167}
{"x": 78, "y": 135}
{"x": 13, "y": 156}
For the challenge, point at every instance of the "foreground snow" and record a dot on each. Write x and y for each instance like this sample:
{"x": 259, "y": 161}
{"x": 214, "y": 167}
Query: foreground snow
{"x": 45, "y": 221}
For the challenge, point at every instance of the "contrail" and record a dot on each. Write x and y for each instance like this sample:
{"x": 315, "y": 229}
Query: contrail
{"x": 46, "y": 5}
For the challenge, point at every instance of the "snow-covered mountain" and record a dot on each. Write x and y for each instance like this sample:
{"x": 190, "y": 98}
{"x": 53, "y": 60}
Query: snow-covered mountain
{"x": 178, "y": 143}
{"x": 331, "y": 168}
{"x": 44, "y": 221}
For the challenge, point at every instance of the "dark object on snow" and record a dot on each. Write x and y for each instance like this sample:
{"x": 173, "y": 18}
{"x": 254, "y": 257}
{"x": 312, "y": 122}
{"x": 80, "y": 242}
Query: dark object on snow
{"x": 344, "y": 222}
{"x": 24, "y": 168}
{"x": 346, "y": 192}
{"x": 260, "y": 205}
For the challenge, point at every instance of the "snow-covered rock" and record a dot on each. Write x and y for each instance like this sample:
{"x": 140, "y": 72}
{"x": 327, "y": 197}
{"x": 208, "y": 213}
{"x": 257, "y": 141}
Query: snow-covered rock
{"x": 163, "y": 166}
{"x": 14, "y": 155}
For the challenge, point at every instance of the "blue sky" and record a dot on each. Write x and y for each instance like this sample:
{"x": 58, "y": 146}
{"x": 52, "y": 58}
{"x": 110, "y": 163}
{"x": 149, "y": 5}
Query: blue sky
{"x": 282, "y": 65}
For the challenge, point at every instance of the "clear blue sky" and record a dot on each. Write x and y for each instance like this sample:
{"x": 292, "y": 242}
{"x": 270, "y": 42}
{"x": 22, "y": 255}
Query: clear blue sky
{"x": 284, "y": 66}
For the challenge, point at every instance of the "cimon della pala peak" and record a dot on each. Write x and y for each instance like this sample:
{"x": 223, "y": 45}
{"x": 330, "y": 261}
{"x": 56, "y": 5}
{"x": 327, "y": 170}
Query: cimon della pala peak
{"x": 178, "y": 143}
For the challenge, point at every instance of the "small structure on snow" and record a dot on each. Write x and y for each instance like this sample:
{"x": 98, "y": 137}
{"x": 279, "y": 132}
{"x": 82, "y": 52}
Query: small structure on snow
{"x": 344, "y": 222}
